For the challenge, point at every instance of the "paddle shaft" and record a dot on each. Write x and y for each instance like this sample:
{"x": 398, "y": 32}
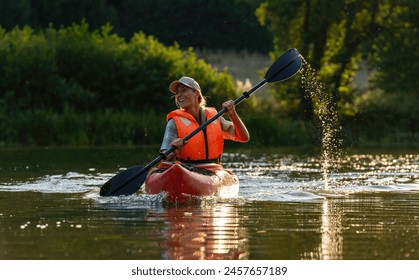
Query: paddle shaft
{"x": 245, "y": 95}
{"x": 273, "y": 75}
{"x": 192, "y": 134}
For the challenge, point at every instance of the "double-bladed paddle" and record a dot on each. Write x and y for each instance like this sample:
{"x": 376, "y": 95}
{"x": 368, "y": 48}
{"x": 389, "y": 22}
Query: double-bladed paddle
{"x": 129, "y": 181}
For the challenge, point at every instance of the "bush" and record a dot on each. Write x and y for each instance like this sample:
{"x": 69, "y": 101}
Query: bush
{"x": 268, "y": 131}
{"x": 383, "y": 119}
{"x": 27, "y": 70}
{"x": 45, "y": 127}
{"x": 88, "y": 71}
{"x": 76, "y": 86}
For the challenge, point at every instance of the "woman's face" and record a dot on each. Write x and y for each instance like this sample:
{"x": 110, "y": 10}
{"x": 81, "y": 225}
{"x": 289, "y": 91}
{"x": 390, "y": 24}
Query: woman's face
{"x": 186, "y": 97}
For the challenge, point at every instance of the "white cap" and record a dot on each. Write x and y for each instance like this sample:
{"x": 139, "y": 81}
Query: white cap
{"x": 187, "y": 81}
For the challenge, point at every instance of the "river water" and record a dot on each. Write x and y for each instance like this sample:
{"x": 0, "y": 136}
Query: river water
{"x": 367, "y": 207}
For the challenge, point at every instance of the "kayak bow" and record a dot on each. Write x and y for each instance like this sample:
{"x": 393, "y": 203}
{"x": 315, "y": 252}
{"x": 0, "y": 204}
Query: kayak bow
{"x": 182, "y": 182}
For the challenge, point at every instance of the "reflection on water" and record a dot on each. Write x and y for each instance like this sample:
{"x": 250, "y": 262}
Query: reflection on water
{"x": 370, "y": 210}
{"x": 331, "y": 246}
{"x": 200, "y": 229}
{"x": 204, "y": 233}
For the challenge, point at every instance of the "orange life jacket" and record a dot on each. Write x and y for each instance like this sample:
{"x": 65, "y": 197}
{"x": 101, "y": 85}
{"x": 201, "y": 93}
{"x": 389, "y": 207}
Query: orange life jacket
{"x": 206, "y": 145}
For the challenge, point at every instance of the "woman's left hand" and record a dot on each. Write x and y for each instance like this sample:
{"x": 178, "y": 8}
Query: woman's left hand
{"x": 229, "y": 106}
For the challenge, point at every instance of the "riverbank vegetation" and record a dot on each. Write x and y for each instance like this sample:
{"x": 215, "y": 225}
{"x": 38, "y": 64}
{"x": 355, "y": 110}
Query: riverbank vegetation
{"x": 91, "y": 84}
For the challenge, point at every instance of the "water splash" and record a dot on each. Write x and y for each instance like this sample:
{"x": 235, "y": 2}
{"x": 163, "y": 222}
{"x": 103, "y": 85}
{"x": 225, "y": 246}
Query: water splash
{"x": 325, "y": 111}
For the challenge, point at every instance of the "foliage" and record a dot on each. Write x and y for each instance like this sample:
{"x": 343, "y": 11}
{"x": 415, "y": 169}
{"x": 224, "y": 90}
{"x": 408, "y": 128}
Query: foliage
{"x": 104, "y": 127}
{"x": 334, "y": 36}
{"x": 385, "y": 119}
{"x": 394, "y": 53}
{"x": 26, "y": 69}
{"x": 74, "y": 128}
{"x": 73, "y": 67}
{"x": 195, "y": 23}
{"x": 92, "y": 84}
{"x": 270, "y": 132}
{"x": 65, "y": 84}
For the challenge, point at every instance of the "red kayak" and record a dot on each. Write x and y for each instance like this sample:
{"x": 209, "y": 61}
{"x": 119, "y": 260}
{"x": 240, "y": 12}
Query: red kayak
{"x": 182, "y": 182}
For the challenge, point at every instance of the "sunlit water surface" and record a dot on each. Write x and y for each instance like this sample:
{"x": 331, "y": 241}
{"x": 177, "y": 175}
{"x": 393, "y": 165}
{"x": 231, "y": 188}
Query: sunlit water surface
{"x": 367, "y": 207}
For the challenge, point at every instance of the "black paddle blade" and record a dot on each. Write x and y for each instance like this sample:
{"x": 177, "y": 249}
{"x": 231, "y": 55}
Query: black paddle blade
{"x": 124, "y": 183}
{"x": 286, "y": 66}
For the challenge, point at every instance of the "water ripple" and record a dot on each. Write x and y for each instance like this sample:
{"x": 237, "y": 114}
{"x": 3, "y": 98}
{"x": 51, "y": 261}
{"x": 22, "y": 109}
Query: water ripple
{"x": 272, "y": 177}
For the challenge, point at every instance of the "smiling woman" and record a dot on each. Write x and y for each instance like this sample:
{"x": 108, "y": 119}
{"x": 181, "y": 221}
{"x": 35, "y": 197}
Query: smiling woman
{"x": 197, "y": 161}
{"x": 207, "y": 145}
{"x": 187, "y": 84}
{"x": 129, "y": 181}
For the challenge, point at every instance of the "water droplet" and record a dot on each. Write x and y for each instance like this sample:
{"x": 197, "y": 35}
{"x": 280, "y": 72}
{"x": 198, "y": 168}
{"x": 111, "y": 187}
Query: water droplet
{"x": 326, "y": 112}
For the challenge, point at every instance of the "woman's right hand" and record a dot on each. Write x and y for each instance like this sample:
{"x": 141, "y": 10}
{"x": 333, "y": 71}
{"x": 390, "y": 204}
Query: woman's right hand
{"x": 178, "y": 143}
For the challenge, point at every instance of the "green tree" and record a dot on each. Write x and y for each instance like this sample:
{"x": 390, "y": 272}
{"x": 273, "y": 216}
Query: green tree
{"x": 91, "y": 70}
{"x": 333, "y": 36}
{"x": 27, "y": 70}
{"x": 75, "y": 86}
{"x": 66, "y": 12}
{"x": 14, "y": 12}
{"x": 218, "y": 24}
{"x": 394, "y": 54}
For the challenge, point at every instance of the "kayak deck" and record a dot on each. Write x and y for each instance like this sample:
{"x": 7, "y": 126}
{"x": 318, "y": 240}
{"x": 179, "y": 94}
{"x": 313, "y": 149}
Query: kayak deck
{"x": 182, "y": 182}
